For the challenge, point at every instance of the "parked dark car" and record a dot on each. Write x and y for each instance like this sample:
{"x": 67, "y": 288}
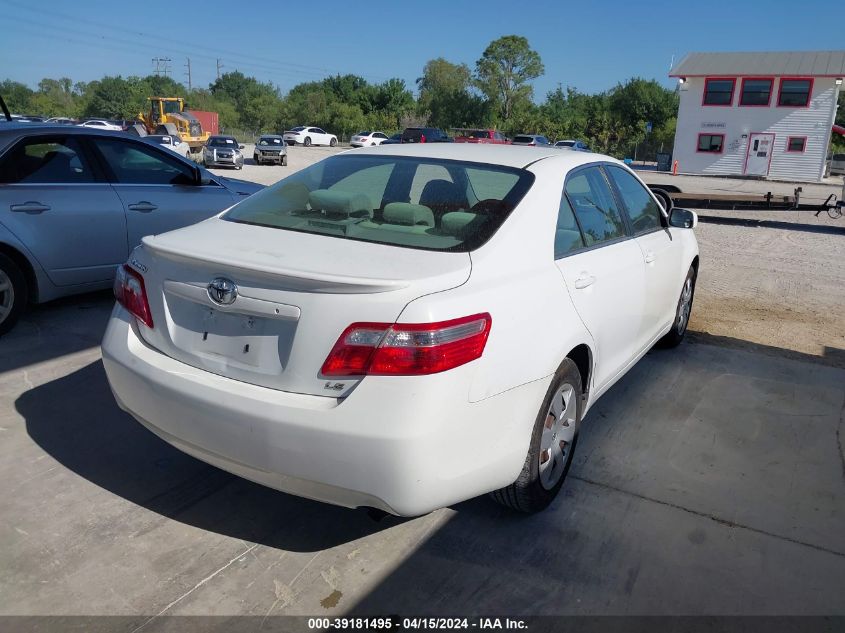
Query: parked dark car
{"x": 393, "y": 140}
{"x": 425, "y": 135}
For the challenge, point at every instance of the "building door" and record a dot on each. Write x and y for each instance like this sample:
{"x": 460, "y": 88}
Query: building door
{"x": 759, "y": 154}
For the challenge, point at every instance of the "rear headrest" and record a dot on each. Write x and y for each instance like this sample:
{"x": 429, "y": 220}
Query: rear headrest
{"x": 408, "y": 214}
{"x": 459, "y": 223}
{"x": 341, "y": 203}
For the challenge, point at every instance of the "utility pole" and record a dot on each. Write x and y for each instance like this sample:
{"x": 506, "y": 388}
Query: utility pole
{"x": 188, "y": 66}
{"x": 161, "y": 65}
{"x": 219, "y": 66}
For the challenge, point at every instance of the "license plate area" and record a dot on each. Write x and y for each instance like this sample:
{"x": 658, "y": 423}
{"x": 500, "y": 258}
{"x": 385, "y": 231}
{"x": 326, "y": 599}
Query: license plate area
{"x": 224, "y": 341}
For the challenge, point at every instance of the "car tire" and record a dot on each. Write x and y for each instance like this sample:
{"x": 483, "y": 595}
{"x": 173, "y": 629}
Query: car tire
{"x": 307, "y": 141}
{"x": 285, "y": 160}
{"x": 255, "y": 158}
{"x": 13, "y": 293}
{"x": 553, "y": 441}
{"x": 683, "y": 310}
{"x": 333, "y": 142}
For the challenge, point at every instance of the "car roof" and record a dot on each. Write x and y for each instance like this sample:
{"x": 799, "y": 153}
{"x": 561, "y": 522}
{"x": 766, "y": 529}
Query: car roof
{"x": 18, "y": 129}
{"x": 506, "y": 155}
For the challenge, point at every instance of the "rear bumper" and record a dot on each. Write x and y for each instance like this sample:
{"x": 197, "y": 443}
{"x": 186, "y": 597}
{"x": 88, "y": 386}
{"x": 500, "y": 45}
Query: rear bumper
{"x": 406, "y": 445}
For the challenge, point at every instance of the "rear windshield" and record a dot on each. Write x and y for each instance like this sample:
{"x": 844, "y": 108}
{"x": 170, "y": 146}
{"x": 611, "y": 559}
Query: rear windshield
{"x": 422, "y": 203}
{"x": 363, "y": 133}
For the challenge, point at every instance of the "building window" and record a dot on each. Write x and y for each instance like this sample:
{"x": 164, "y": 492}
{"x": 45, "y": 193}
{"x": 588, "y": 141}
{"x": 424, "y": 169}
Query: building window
{"x": 796, "y": 144}
{"x": 756, "y": 92}
{"x": 795, "y": 93}
{"x": 718, "y": 92}
{"x": 711, "y": 143}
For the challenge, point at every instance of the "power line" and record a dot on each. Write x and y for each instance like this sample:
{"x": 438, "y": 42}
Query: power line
{"x": 258, "y": 61}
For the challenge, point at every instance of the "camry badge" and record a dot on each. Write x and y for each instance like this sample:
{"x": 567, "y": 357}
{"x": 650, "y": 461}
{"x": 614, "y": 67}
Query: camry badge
{"x": 222, "y": 291}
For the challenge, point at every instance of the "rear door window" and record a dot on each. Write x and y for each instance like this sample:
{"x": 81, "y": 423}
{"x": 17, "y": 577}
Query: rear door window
{"x": 643, "y": 210}
{"x": 591, "y": 199}
{"x": 47, "y": 160}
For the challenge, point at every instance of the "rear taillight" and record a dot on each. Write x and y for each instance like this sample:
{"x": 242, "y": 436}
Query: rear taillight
{"x": 407, "y": 349}
{"x": 130, "y": 292}
{"x": 422, "y": 138}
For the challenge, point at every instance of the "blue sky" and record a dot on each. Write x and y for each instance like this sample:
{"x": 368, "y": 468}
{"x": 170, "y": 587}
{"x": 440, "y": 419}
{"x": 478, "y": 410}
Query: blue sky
{"x": 588, "y": 45}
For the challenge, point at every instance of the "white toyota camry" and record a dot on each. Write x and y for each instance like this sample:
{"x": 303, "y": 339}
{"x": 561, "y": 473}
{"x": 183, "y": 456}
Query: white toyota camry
{"x": 403, "y": 327}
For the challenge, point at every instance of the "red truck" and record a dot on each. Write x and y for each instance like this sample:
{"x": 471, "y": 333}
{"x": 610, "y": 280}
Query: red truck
{"x": 475, "y": 135}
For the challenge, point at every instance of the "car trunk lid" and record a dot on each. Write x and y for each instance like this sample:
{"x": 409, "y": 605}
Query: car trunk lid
{"x": 295, "y": 294}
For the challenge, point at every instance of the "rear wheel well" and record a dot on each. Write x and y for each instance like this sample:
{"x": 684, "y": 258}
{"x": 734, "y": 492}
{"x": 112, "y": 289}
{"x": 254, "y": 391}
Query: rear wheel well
{"x": 28, "y": 272}
{"x": 583, "y": 359}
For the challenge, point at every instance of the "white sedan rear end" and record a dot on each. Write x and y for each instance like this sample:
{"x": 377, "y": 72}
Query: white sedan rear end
{"x": 402, "y": 328}
{"x": 367, "y": 139}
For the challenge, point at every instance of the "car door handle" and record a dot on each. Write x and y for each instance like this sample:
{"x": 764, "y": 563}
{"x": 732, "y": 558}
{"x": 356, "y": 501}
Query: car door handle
{"x": 30, "y": 206}
{"x": 143, "y": 206}
{"x": 584, "y": 281}
{"x": 650, "y": 257}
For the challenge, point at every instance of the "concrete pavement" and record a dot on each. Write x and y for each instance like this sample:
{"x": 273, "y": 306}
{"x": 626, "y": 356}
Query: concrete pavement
{"x": 708, "y": 481}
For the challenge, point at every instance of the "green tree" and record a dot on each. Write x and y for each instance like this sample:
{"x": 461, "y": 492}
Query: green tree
{"x": 504, "y": 71}
{"x": 17, "y": 96}
{"x": 446, "y": 99}
{"x": 116, "y": 97}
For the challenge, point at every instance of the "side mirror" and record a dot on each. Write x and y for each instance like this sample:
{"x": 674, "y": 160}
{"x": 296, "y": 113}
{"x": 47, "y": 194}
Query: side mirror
{"x": 683, "y": 218}
{"x": 240, "y": 146}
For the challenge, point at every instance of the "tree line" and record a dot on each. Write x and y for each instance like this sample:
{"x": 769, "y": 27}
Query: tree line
{"x": 497, "y": 92}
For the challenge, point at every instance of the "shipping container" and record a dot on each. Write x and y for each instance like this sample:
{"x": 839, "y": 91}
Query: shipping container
{"x": 208, "y": 120}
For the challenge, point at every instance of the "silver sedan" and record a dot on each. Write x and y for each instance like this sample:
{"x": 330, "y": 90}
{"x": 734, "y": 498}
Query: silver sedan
{"x": 75, "y": 201}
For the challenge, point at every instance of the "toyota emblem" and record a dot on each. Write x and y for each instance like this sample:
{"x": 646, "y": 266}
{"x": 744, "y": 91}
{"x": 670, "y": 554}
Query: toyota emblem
{"x": 222, "y": 291}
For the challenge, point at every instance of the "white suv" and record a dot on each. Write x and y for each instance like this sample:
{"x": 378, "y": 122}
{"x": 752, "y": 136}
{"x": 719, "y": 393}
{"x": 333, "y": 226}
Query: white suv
{"x": 403, "y": 327}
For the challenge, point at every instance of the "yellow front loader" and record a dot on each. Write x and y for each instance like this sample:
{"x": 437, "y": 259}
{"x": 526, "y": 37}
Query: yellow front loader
{"x": 167, "y": 115}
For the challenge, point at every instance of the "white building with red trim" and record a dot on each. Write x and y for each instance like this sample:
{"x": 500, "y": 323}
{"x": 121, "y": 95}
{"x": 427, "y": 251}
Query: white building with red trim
{"x": 766, "y": 115}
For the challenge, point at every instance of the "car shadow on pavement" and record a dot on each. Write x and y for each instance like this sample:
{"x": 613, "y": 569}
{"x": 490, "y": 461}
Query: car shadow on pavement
{"x": 676, "y": 504}
{"x": 76, "y": 421}
{"x": 824, "y": 229}
{"x": 55, "y": 329}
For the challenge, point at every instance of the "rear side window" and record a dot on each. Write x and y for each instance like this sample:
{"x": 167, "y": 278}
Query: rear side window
{"x": 594, "y": 206}
{"x": 45, "y": 160}
{"x": 642, "y": 208}
{"x": 419, "y": 203}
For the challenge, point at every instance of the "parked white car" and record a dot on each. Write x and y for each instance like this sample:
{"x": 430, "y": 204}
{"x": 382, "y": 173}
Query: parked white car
{"x": 304, "y": 135}
{"x": 404, "y": 327}
{"x": 367, "y": 139}
{"x": 171, "y": 142}
{"x": 100, "y": 124}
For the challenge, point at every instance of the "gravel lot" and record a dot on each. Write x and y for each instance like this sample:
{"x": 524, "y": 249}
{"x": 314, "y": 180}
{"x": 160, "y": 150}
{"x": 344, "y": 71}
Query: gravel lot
{"x": 778, "y": 283}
